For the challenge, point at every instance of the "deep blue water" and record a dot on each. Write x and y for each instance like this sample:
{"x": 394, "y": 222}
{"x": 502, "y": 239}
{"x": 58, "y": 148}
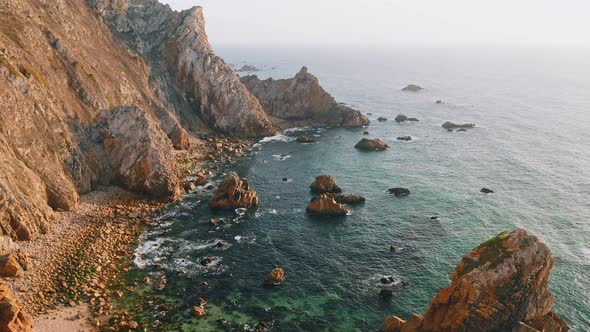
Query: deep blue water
{"x": 531, "y": 146}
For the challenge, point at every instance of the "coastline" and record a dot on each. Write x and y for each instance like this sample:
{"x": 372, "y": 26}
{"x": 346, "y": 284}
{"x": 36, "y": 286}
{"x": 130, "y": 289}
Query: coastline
{"x": 77, "y": 268}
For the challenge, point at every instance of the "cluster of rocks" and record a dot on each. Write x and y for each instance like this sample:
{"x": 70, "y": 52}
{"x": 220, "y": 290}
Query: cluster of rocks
{"x": 330, "y": 202}
{"x": 502, "y": 285}
{"x": 234, "y": 193}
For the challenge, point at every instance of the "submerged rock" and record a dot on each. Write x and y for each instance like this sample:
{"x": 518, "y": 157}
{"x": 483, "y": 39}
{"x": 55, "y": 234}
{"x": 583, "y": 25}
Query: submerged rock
{"x": 439, "y": 102}
{"x": 413, "y": 88}
{"x": 387, "y": 280}
{"x": 486, "y": 191}
{"x": 404, "y": 138}
{"x": 451, "y": 125}
{"x": 404, "y": 118}
{"x": 305, "y": 139}
{"x": 371, "y": 145}
{"x": 324, "y": 184}
{"x": 327, "y": 206}
{"x": 234, "y": 193}
{"x": 275, "y": 277}
{"x": 381, "y": 119}
{"x": 399, "y": 192}
{"x": 501, "y": 285}
{"x": 365, "y": 133}
{"x": 386, "y": 293}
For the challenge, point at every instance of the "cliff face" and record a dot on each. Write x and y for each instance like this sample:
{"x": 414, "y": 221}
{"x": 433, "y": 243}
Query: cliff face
{"x": 302, "y": 98}
{"x": 203, "y": 89}
{"x": 501, "y": 285}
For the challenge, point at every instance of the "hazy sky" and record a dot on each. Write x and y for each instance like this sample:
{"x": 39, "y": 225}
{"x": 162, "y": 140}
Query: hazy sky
{"x": 421, "y": 22}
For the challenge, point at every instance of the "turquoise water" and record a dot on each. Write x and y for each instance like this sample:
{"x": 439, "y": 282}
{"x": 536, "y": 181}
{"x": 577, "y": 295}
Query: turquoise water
{"x": 531, "y": 147}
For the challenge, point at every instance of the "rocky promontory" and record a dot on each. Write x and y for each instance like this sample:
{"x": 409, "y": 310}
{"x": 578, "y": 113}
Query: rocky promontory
{"x": 502, "y": 285}
{"x": 301, "y": 99}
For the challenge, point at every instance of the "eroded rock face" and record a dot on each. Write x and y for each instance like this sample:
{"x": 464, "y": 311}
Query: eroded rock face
{"x": 324, "y": 184}
{"x": 495, "y": 287}
{"x": 233, "y": 193}
{"x": 138, "y": 153}
{"x": 301, "y": 98}
{"x": 12, "y": 317}
{"x": 204, "y": 91}
{"x": 326, "y": 205}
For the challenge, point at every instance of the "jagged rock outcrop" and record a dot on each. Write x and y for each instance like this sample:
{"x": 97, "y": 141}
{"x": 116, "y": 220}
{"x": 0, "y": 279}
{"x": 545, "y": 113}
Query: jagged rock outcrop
{"x": 136, "y": 153}
{"x": 325, "y": 205}
{"x": 324, "y": 184}
{"x": 12, "y": 316}
{"x": 501, "y": 285}
{"x": 302, "y": 99}
{"x": 233, "y": 193}
{"x": 186, "y": 71}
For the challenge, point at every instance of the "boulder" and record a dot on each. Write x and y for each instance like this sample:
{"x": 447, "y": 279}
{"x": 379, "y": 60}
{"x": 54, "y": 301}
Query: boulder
{"x": 501, "y": 285}
{"x": 325, "y": 205}
{"x": 451, "y": 125}
{"x": 7, "y": 245}
{"x": 404, "y": 138}
{"x": 10, "y": 266}
{"x": 12, "y": 317}
{"x": 371, "y": 145}
{"x": 247, "y": 68}
{"x": 381, "y": 119}
{"x": 413, "y": 88}
{"x": 439, "y": 102}
{"x": 198, "y": 312}
{"x": 324, "y": 184}
{"x": 201, "y": 181}
{"x": 350, "y": 199}
{"x": 275, "y": 277}
{"x": 399, "y": 192}
{"x": 233, "y": 193}
{"x": 404, "y": 118}
{"x": 365, "y": 133}
{"x": 305, "y": 139}
{"x": 486, "y": 191}
{"x": 393, "y": 324}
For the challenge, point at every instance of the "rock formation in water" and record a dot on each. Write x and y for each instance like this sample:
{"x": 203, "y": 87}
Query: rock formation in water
{"x": 247, "y": 68}
{"x": 274, "y": 277}
{"x": 233, "y": 193}
{"x": 371, "y": 145}
{"x": 412, "y": 88}
{"x": 325, "y": 205}
{"x": 502, "y": 285}
{"x": 324, "y": 184}
{"x": 404, "y": 118}
{"x": 451, "y": 125}
{"x": 302, "y": 99}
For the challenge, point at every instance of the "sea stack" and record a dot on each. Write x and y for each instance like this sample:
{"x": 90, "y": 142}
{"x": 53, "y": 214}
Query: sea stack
{"x": 502, "y": 285}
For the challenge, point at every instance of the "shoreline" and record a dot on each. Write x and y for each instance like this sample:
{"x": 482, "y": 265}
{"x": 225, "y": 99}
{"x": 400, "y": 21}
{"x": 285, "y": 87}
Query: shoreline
{"x": 76, "y": 269}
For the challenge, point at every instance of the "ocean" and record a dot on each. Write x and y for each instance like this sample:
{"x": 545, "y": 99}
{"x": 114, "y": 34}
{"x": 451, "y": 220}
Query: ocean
{"x": 531, "y": 146}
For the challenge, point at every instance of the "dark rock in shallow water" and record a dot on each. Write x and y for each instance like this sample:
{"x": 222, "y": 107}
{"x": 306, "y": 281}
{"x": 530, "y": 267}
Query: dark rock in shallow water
{"x": 365, "y": 133}
{"x": 324, "y": 184}
{"x": 392, "y": 248}
{"x": 439, "y": 102}
{"x": 285, "y": 179}
{"x": 486, "y": 191}
{"x": 462, "y": 129}
{"x": 399, "y": 192}
{"x": 371, "y": 145}
{"x": 222, "y": 322}
{"x": 207, "y": 261}
{"x": 305, "y": 139}
{"x": 404, "y": 138}
{"x": 451, "y": 125}
{"x": 413, "y": 88}
{"x": 404, "y": 118}
{"x": 387, "y": 280}
{"x": 386, "y": 293}
{"x": 434, "y": 218}
{"x": 381, "y": 119}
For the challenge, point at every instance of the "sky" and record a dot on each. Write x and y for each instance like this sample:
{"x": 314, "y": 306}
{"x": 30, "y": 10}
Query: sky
{"x": 396, "y": 22}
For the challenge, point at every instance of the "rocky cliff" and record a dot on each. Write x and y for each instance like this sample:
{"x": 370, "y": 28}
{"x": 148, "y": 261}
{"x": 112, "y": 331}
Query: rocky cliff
{"x": 102, "y": 91}
{"x": 501, "y": 285}
{"x": 302, "y": 99}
